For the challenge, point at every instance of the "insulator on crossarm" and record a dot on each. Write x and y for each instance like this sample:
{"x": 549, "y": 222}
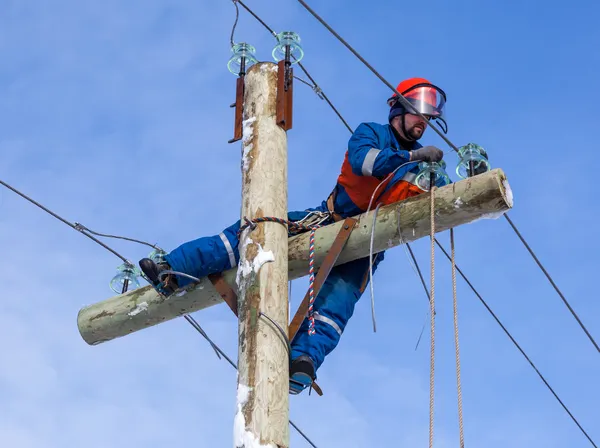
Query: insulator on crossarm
{"x": 287, "y": 39}
{"x": 473, "y": 160}
{"x": 127, "y": 274}
{"x": 157, "y": 256}
{"x": 243, "y": 57}
{"x": 423, "y": 179}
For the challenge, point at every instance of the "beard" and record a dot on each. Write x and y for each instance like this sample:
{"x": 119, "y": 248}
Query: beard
{"x": 416, "y": 132}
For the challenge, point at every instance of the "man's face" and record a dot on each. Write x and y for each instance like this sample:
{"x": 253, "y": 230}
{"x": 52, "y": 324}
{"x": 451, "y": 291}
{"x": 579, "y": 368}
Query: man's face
{"x": 415, "y": 126}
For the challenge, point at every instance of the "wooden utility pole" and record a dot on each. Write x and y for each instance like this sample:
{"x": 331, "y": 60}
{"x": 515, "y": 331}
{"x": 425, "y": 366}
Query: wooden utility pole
{"x": 483, "y": 196}
{"x": 262, "y": 417}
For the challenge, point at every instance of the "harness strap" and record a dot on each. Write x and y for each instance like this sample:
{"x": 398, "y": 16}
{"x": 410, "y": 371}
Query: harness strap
{"x": 322, "y": 273}
{"x": 331, "y": 207}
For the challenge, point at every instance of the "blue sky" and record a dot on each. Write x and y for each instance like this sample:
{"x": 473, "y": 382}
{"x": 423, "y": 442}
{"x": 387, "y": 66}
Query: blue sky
{"x": 116, "y": 115}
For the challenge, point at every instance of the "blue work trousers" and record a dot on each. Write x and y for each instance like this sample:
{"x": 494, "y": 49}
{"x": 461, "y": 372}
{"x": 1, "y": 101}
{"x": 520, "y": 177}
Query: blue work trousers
{"x": 333, "y": 307}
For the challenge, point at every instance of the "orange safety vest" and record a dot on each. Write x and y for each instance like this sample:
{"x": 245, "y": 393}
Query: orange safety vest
{"x": 360, "y": 188}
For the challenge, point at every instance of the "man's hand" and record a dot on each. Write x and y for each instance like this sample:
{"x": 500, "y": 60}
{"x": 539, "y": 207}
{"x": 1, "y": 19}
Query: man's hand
{"x": 427, "y": 154}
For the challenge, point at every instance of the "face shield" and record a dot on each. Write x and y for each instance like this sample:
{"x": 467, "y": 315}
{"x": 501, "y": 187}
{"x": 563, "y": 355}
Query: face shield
{"x": 426, "y": 99}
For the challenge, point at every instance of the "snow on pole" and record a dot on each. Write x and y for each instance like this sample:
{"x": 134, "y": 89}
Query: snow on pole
{"x": 484, "y": 196}
{"x": 262, "y": 277}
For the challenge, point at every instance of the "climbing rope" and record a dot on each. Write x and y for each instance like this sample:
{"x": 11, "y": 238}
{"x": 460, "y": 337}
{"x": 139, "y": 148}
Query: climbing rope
{"x": 311, "y": 283}
{"x": 455, "y": 306}
{"x": 321, "y": 94}
{"x": 516, "y": 344}
{"x": 432, "y": 313}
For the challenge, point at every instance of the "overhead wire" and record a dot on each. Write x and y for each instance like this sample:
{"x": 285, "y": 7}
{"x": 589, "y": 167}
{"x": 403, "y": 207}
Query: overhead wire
{"x": 256, "y": 17}
{"x": 237, "y": 16}
{"x": 306, "y": 73}
{"x": 549, "y": 277}
{"x": 84, "y": 230}
{"x": 199, "y": 329}
{"x": 106, "y": 235}
{"x": 448, "y": 142}
{"x": 220, "y": 353}
{"x": 437, "y": 242}
{"x": 487, "y": 307}
{"x": 63, "y": 220}
{"x": 323, "y": 95}
{"x": 303, "y": 81}
{"x": 376, "y": 73}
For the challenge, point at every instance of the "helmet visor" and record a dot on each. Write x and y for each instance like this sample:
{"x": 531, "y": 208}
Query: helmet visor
{"x": 426, "y": 99}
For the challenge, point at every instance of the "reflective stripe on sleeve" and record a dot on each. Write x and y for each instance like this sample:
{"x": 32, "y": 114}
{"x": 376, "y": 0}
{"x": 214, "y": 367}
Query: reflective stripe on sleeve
{"x": 227, "y": 244}
{"x": 369, "y": 162}
{"x": 410, "y": 177}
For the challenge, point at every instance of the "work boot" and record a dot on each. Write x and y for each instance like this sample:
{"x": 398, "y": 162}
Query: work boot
{"x": 302, "y": 374}
{"x": 153, "y": 270}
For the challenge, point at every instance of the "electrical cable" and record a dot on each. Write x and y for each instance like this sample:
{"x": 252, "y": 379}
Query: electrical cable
{"x": 237, "y": 16}
{"x": 281, "y": 332}
{"x": 199, "y": 329}
{"x": 549, "y": 277}
{"x": 189, "y": 318}
{"x": 452, "y": 145}
{"x": 315, "y": 87}
{"x": 256, "y": 17}
{"x": 220, "y": 353}
{"x": 80, "y": 227}
{"x": 516, "y": 344}
{"x": 60, "y": 218}
{"x": 322, "y": 94}
{"x": 401, "y": 98}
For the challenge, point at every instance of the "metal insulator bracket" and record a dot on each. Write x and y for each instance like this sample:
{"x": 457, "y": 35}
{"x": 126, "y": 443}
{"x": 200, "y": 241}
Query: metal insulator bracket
{"x": 239, "y": 110}
{"x": 285, "y": 83}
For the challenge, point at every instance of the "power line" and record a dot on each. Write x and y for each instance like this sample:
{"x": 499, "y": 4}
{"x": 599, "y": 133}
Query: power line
{"x": 220, "y": 353}
{"x": 453, "y": 146}
{"x": 376, "y": 73}
{"x": 414, "y": 259}
{"x": 199, "y": 329}
{"x": 565, "y": 301}
{"x": 237, "y": 16}
{"x": 60, "y": 218}
{"x": 325, "y": 97}
{"x": 320, "y": 91}
{"x": 401, "y": 98}
{"x": 516, "y": 344}
{"x": 81, "y": 227}
{"x": 322, "y": 94}
{"x": 256, "y": 17}
{"x": 84, "y": 230}
{"x": 315, "y": 86}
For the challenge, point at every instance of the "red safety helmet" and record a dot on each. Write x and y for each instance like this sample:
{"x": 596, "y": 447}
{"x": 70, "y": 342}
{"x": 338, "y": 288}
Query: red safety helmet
{"x": 425, "y": 97}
